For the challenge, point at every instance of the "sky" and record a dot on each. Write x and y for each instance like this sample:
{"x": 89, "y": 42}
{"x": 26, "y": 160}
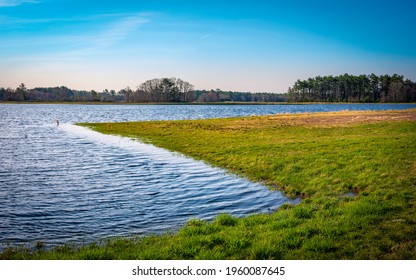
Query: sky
{"x": 257, "y": 46}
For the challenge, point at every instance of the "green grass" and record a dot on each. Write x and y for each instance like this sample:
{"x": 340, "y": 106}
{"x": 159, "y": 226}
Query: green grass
{"x": 323, "y": 164}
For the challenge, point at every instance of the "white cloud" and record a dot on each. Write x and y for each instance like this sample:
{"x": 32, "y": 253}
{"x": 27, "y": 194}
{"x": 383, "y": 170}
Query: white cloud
{"x": 102, "y": 41}
{"x": 12, "y": 3}
{"x": 118, "y": 31}
{"x": 74, "y": 46}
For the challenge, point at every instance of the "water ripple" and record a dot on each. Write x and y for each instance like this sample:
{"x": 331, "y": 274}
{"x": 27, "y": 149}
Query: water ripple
{"x": 66, "y": 183}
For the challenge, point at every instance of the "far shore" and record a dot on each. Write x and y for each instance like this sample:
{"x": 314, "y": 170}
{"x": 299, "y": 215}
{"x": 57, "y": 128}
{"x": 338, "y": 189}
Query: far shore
{"x": 191, "y": 103}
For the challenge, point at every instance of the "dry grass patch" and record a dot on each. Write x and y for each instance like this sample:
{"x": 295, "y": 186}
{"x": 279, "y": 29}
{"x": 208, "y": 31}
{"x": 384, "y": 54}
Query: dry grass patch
{"x": 327, "y": 119}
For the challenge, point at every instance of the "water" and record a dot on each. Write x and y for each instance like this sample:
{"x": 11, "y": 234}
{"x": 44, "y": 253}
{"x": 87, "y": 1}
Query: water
{"x": 66, "y": 183}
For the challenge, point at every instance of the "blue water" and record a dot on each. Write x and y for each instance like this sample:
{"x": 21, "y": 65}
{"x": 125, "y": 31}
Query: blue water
{"x": 65, "y": 183}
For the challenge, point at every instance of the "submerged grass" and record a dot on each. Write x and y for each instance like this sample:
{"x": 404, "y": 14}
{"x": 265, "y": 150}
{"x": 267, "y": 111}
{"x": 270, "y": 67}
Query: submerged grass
{"x": 354, "y": 171}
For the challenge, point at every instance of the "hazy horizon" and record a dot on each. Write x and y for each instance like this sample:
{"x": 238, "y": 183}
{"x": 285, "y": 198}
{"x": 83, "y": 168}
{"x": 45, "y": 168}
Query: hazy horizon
{"x": 257, "y": 46}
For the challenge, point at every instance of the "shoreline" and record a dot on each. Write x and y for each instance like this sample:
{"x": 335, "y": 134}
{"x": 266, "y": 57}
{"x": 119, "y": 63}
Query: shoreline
{"x": 321, "y": 157}
{"x": 198, "y": 103}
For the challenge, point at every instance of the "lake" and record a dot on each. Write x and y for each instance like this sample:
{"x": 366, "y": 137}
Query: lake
{"x": 64, "y": 183}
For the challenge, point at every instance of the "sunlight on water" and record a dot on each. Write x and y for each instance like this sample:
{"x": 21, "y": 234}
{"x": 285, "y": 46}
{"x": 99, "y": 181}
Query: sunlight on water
{"x": 115, "y": 141}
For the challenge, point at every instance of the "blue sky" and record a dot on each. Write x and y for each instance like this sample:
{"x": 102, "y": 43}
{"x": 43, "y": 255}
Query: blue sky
{"x": 232, "y": 45}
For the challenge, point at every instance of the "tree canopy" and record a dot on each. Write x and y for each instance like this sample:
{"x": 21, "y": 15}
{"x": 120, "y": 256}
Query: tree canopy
{"x": 350, "y": 88}
{"x": 163, "y": 90}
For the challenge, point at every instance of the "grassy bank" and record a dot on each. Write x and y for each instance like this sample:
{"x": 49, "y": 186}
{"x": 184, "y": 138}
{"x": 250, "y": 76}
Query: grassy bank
{"x": 355, "y": 172}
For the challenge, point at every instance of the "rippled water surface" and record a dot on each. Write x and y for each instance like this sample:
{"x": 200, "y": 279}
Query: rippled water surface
{"x": 67, "y": 183}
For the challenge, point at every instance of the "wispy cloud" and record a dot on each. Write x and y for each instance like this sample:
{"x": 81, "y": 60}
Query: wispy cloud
{"x": 18, "y": 22}
{"x": 102, "y": 41}
{"x": 208, "y": 35}
{"x": 81, "y": 44}
{"x": 118, "y": 31}
{"x": 12, "y": 3}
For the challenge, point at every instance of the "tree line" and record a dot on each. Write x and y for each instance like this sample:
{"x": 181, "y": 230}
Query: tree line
{"x": 160, "y": 90}
{"x": 57, "y": 94}
{"x": 350, "y": 88}
{"x": 236, "y": 96}
{"x": 343, "y": 88}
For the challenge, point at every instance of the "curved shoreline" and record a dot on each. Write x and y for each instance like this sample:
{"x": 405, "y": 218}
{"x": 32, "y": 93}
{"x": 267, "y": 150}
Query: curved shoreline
{"x": 305, "y": 155}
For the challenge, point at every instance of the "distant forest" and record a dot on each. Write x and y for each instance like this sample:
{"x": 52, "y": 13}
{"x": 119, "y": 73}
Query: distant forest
{"x": 162, "y": 90}
{"x": 349, "y": 88}
{"x": 343, "y": 88}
